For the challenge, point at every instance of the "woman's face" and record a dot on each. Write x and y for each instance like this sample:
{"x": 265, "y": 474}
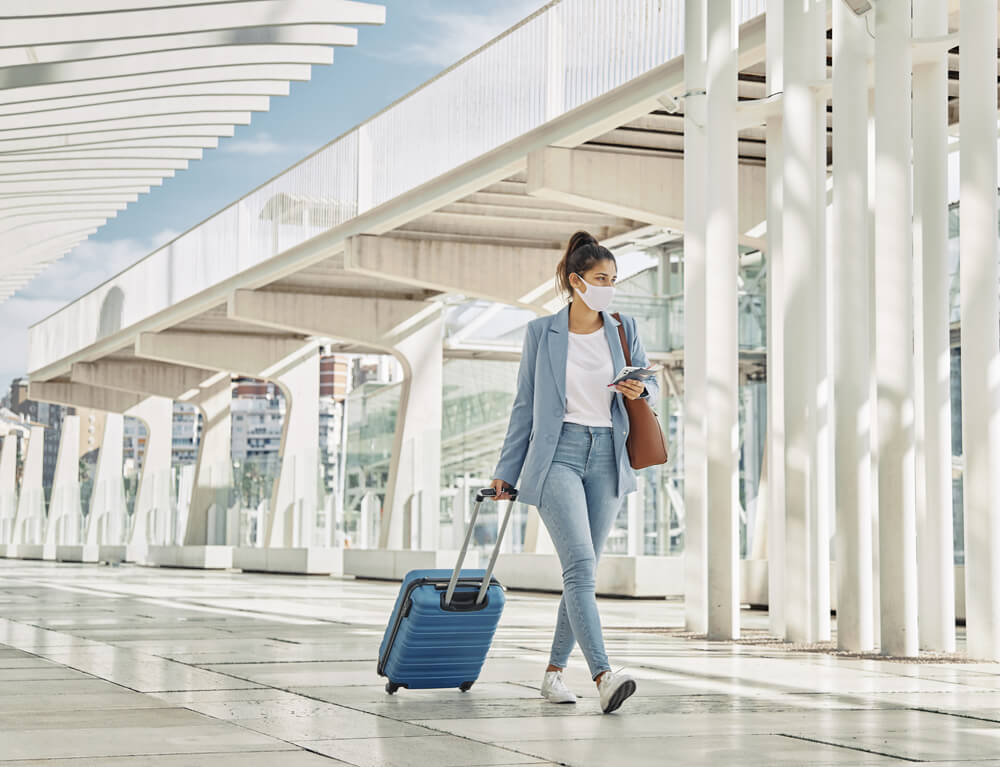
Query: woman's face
{"x": 603, "y": 273}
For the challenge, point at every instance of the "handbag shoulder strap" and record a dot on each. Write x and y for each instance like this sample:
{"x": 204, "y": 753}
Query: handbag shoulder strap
{"x": 621, "y": 335}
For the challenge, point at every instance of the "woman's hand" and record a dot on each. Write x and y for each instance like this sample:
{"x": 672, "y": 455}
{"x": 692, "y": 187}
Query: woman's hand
{"x": 501, "y": 489}
{"x": 631, "y": 389}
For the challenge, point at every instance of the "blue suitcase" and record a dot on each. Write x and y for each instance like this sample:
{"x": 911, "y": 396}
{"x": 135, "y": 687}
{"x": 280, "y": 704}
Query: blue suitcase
{"x": 443, "y": 623}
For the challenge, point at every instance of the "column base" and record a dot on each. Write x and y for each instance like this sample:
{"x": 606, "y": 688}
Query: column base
{"x": 137, "y": 553}
{"x": 90, "y": 553}
{"x": 193, "y": 557}
{"x": 24, "y": 551}
{"x": 394, "y": 564}
{"x": 290, "y": 560}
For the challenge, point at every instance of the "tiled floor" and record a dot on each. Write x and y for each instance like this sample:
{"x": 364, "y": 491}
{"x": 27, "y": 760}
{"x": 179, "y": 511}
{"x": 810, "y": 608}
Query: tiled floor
{"x": 168, "y": 668}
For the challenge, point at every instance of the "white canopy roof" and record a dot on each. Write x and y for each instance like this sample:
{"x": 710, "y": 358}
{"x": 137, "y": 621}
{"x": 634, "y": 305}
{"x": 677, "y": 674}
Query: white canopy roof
{"x": 100, "y": 100}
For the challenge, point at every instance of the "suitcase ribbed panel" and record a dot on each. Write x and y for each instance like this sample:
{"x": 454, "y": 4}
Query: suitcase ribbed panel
{"x": 442, "y": 648}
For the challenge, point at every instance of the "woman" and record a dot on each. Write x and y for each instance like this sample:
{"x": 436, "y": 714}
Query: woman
{"x": 566, "y": 443}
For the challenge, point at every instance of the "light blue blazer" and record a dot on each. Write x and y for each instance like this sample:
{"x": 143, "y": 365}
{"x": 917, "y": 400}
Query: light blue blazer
{"x": 537, "y": 414}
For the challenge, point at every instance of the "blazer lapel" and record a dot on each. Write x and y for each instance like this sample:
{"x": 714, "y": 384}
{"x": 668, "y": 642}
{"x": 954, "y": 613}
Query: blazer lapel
{"x": 558, "y": 349}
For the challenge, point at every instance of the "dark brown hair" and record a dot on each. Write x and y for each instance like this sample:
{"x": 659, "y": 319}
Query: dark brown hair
{"x": 582, "y": 252}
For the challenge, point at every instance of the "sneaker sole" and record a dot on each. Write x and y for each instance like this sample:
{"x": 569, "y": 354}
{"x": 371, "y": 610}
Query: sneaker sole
{"x": 620, "y": 696}
{"x": 558, "y": 701}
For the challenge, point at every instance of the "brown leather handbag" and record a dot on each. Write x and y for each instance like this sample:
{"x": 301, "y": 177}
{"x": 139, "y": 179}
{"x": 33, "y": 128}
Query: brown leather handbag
{"x": 645, "y": 443}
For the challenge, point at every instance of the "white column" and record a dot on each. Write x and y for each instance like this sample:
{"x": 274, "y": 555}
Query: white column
{"x": 213, "y": 476}
{"x": 806, "y": 545}
{"x": 8, "y": 486}
{"x": 636, "y": 510}
{"x": 695, "y": 458}
{"x": 980, "y": 342}
{"x": 106, "y": 520}
{"x": 932, "y": 352}
{"x": 775, "y": 445}
{"x": 65, "y": 513}
{"x": 722, "y": 350}
{"x": 416, "y": 456}
{"x": 894, "y": 326}
{"x": 852, "y": 317}
{"x": 153, "y": 496}
{"x": 31, "y": 501}
{"x": 295, "y": 500}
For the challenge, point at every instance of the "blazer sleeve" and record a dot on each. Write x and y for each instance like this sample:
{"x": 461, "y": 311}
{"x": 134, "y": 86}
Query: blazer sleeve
{"x": 639, "y": 359}
{"x": 515, "y": 444}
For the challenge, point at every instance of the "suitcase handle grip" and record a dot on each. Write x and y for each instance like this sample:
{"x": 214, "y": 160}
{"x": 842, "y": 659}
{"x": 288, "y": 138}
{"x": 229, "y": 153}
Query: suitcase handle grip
{"x": 486, "y": 492}
{"x": 489, "y": 492}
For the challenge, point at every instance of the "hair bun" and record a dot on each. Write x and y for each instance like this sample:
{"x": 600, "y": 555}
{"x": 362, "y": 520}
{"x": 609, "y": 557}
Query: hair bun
{"x": 579, "y": 239}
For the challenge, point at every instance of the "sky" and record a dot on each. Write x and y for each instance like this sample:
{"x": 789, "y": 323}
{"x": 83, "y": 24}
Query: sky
{"x": 419, "y": 39}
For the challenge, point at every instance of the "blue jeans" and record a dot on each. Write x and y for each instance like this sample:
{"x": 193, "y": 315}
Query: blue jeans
{"x": 579, "y": 503}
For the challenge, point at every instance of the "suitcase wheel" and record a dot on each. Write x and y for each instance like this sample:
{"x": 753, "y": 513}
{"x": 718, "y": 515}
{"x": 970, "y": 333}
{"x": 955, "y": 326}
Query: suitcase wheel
{"x": 391, "y": 687}
{"x": 466, "y": 686}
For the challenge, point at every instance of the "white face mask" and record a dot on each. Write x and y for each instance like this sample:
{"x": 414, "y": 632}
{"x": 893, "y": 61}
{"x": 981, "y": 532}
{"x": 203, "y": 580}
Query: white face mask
{"x": 597, "y": 297}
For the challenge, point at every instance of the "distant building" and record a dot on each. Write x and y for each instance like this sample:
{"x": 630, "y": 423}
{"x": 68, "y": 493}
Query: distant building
{"x": 43, "y": 413}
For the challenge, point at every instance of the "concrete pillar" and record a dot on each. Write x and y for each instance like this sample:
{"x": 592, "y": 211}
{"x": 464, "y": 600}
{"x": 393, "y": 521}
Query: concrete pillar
{"x": 806, "y": 545}
{"x": 412, "y": 332}
{"x": 8, "y": 487}
{"x": 775, "y": 445}
{"x": 636, "y": 511}
{"x": 274, "y": 358}
{"x": 416, "y": 456}
{"x": 980, "y": 341}
{"x": 152, "y": 501}
{"x": 894, "y": 325}
{"x": 213, "y": 474}
{"x": 65, "y": 522}
{"x": 721, "y": 323}
{"x": 28, "y": 526}
{"x": 294, "y": 498}
{"x": 107, "y": 518}
{"x": 932, "y": 347}
{"x": 695, "y": 457}
{"x": 851, "y": 314}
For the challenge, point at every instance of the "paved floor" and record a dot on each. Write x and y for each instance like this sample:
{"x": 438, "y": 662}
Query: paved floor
{"x": 132, "y": 666}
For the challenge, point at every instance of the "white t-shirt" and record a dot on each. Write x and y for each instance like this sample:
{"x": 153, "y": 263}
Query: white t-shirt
{"x": 588, "y": 371}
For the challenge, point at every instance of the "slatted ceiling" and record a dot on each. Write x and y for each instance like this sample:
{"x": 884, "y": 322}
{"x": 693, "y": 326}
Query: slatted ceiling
{"x": 111, "y": 96}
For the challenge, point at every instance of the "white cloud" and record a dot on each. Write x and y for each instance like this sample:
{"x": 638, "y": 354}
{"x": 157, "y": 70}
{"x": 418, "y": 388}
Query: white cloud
{"x": 447, "y": 37}
{"x": 90, "y": 264}
{"x": 260, "y": 144}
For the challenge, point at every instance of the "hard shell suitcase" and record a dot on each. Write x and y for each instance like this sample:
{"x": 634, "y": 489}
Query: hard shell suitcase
{"x": 443, "y": 623}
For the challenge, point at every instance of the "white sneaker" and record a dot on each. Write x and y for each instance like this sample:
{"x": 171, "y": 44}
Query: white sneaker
{"x": 615, "y": 687}
{"x": 555, "y": 690}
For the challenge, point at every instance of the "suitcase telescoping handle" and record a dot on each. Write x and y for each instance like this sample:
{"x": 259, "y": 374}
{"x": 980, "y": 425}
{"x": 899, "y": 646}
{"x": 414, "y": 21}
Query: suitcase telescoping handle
{"x": 486, "y": 492}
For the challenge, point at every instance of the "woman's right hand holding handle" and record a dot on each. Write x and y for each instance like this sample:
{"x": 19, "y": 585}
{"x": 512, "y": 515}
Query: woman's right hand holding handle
{"x": 501, "y": 488}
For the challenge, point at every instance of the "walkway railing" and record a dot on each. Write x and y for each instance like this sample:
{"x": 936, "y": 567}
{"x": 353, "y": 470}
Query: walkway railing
{"x": 567, "y": 54}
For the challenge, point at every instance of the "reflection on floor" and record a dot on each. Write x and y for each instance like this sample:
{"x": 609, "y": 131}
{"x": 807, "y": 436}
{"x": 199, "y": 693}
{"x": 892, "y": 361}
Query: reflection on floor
{"x": 131, "y": 666}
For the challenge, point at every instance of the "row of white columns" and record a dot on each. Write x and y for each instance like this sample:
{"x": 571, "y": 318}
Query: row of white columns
{"x": 859, "y": 428}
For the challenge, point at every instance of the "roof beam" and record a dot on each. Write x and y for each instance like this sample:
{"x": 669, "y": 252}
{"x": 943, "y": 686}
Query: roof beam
{"x": 223, "y": 88}
{"x": 130, "y": 82}
{"x": 135, "y": 109}
{"x": 292, "y": 34}
{"x": 117, "y": 66}
{"x": 67, "y": 25}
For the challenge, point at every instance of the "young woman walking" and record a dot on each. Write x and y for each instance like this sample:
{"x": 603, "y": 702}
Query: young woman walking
{"x": 566, "y": 443}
